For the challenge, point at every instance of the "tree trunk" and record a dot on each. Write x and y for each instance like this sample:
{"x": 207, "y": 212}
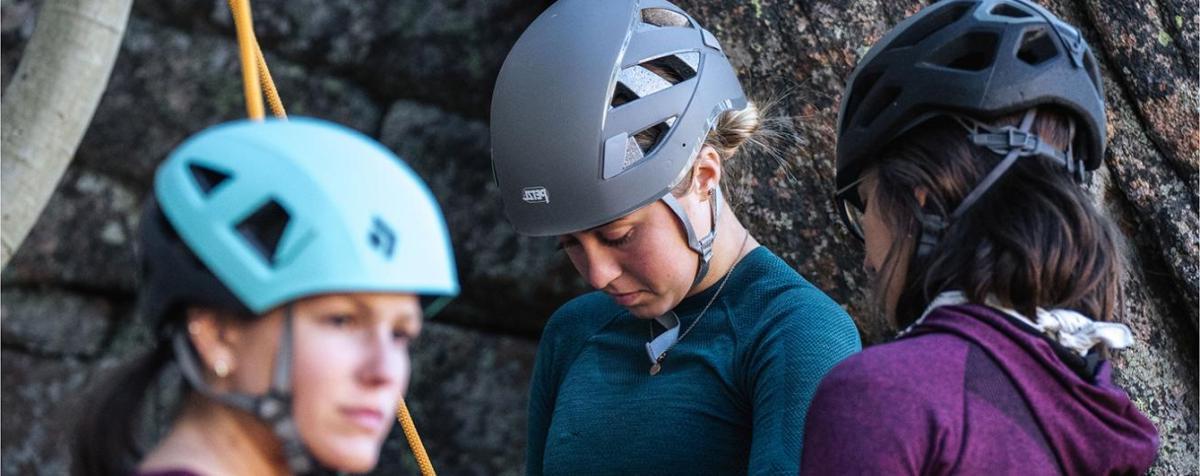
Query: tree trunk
{"x": 50, "y": 102}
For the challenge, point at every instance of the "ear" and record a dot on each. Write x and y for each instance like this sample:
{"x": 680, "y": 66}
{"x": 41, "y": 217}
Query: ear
{"x": 922, "y": 193}
{"x": 706, "y": 171}
{"x": 213, "y": 335}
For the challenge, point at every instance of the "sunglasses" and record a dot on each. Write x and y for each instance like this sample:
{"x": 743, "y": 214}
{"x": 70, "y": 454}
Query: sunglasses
{"x": 852, "y": 207}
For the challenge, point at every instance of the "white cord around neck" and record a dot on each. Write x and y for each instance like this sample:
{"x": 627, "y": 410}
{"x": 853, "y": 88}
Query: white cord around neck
{"x": 1071, "y": 329}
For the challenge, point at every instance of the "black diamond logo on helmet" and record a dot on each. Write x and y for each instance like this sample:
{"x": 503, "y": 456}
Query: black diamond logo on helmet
{"x": 381, "y": 237}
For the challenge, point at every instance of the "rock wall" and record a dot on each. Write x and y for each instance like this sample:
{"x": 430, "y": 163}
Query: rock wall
{"x": 418, "y": 76}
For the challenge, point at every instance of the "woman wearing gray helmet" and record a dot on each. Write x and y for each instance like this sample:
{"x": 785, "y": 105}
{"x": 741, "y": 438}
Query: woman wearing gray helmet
{"x": 611, "y": 124}
{"x": 963, "y": 139}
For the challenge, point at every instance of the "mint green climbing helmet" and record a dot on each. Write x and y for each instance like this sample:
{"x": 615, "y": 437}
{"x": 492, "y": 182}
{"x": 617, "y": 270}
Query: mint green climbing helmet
{"x": 279, "y": 210}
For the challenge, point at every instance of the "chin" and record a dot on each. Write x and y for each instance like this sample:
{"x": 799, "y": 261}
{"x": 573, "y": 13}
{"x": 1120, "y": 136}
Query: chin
{"x": 350, "y": 456}
{"x": 649, "y": 310}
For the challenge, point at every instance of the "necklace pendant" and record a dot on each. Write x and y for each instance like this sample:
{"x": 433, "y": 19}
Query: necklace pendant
{"x": 654, "y": 369}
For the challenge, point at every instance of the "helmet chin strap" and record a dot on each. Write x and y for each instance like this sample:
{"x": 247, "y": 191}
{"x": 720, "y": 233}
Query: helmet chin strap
{"x": 1012, "y": 143}
{"x": 703, "y": 246}
{"x": 274, "y": 408}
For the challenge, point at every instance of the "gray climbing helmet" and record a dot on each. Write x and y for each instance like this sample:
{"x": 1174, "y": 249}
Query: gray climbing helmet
{"x": 574, "y": 91}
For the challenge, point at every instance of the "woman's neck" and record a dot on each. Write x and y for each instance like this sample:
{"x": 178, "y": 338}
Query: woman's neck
{"x": 732, "y": 242}
{"x": 212, "y": 439}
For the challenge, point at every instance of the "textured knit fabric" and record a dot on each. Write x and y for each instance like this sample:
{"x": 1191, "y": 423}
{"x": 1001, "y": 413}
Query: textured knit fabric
{"x": 731, "y": 396}
{"x": 971, "y": 391}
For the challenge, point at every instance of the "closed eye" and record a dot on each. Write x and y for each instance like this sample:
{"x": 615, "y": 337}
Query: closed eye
{"x": 619, "y": 242}
{"x": 338, "y": 319}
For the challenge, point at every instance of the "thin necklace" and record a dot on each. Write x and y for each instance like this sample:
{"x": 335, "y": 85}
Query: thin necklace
{"x": 657, "y": 367}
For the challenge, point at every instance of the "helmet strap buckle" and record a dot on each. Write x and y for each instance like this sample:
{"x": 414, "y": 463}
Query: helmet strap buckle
{"x": 703, "y": 246}
{"x": 273, "y": 408}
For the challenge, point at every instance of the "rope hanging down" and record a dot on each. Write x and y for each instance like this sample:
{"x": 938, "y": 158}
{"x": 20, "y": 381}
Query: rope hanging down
{"x": 256, "y": 80}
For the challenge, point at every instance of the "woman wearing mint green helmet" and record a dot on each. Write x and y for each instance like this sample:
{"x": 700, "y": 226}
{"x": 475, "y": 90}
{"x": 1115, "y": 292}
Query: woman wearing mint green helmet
{"x": 612, "y": 125}
{"x": 285, "y": 264}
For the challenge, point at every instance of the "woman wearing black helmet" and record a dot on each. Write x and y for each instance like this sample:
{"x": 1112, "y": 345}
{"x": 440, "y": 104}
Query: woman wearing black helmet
{"x": 964, "y": 137}
{"x": 611, "y": 124}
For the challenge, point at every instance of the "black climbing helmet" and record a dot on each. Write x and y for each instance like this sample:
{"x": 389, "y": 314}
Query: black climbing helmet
{"x": 978, "y": 59}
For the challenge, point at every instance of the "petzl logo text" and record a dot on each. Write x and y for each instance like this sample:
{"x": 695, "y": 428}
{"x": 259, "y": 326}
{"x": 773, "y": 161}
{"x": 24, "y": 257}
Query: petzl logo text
{"x": 535, "y": 195}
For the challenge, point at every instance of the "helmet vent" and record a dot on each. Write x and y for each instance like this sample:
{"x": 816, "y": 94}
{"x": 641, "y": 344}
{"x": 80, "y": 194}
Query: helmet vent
{"x": 263, "y": 229}
{"x": 1011, "y": 11}
{"x": 862, "y": 86}
{"x": 1037, "y": 47}
{"x": 622, "y": 95}
{"x": 974, "y": 51}
{"x": 652, "y": 76}
{"x": 674, "y": 68}
{"x": 646, "y": 140}
{"x": 206, "y": 178}
{"x": 661, "y": 17}
{"x": 931, "y": 23}
{"x": 1090, "y": 65}
{"x": 878, "y": 101}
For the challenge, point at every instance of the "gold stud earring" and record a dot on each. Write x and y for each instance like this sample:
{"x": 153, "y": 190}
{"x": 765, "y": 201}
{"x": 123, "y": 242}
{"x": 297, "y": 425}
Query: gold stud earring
{"x": 221, "y": 368}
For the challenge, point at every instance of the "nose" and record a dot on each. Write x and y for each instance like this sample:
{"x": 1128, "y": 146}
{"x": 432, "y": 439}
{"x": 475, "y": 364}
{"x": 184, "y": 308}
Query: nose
{"x": 385, "y": 363}
{"x": 597, "y": 265}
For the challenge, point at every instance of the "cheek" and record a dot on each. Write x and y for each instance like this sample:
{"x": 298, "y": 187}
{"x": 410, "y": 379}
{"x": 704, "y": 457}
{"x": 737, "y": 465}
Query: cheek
{"x": 878, "y": 240}
{"x": 324, "y": 381}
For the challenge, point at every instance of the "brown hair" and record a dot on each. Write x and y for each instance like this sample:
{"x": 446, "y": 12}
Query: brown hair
{"x": 1034, "y": 239}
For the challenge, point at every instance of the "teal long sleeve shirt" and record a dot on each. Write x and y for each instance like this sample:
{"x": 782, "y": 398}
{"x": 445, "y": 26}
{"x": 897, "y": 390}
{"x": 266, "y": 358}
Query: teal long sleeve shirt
{"x": 731, "y": 397}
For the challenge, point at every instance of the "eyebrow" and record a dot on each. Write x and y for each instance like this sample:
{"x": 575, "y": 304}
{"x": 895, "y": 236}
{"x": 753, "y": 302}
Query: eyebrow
{"x": 365, "y": 308}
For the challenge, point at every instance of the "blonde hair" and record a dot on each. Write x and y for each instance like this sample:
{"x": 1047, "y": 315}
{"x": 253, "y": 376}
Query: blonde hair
{"x": 748, "y": 131}
{"x": 751, "y": 127}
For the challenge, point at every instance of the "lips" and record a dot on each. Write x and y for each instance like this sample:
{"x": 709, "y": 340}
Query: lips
{"x": 625, "y": 299}
{"x": 367, "y": 418}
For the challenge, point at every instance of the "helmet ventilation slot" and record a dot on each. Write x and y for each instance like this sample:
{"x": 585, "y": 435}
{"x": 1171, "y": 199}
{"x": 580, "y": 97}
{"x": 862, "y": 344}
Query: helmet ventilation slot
{"x": 931, "y": 24}
{"x": 879, "y": 100}
{"x": 207, "y": 178}
{"x": 1037, "y": 47}
{"x": 974, "y": 51}
{"x": 653, "y": 76}
{"x": 264, "y": 228}
{"x": 1011, "y": 11}
{"x": 862, "y": 86}
{"x": 662, "y": 17}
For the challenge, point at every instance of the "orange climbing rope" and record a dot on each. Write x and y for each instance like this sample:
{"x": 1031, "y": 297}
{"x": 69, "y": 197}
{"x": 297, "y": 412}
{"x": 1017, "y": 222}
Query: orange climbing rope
{"x": 256, "y": 77}
{"x": 256, "y": 80}
{"x": 414, "y": 440}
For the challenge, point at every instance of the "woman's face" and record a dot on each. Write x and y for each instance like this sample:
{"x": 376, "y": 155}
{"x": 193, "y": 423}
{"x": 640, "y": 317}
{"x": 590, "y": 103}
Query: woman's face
{"x": 350, "y": 368}
{"x": 879, "y": 238}
{"x": 641, "y": 260}
{"x": 876, "y": 234}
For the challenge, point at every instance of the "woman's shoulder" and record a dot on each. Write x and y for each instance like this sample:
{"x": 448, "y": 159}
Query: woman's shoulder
{"x": 582, "y": 314}
{"x": 777, "y": 298}
{"x": 771, "y": 283}
{"x": 914, "y": 368}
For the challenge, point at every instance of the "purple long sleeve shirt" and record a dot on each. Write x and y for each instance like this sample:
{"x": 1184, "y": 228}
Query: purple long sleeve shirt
{"x": 969, "y": 392}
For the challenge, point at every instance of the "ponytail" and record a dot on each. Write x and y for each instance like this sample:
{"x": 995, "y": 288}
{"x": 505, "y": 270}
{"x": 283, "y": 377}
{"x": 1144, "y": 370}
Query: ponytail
{"x": 106, "y": 441}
